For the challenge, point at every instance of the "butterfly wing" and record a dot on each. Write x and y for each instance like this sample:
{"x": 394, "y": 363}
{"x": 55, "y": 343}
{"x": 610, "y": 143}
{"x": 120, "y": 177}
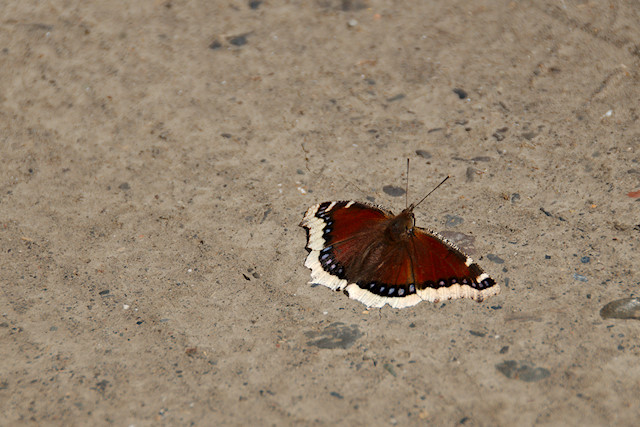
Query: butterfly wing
{"x": 337, "y": 234}
{"x": 442, "y": 271}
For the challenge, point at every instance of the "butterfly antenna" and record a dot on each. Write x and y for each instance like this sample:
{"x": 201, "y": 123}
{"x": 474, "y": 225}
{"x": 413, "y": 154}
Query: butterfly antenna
{"x": 406, "y": 192}
{"x": 422, "y": 200}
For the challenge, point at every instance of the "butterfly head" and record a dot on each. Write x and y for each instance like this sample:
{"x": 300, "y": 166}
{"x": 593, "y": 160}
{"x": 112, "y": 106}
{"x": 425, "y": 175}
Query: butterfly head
{"x": 401, "y": 226}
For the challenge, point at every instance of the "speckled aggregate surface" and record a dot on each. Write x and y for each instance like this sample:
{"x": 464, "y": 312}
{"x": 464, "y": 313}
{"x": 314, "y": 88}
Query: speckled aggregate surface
{"x": 157, "y": 157}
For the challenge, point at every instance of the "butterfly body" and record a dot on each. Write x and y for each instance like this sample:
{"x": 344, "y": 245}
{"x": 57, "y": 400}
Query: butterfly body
{"x": 380, "y": 258}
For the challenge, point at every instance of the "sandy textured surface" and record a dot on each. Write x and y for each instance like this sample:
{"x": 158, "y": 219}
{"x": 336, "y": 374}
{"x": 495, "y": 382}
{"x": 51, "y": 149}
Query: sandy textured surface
{"x": 157, "y": 157}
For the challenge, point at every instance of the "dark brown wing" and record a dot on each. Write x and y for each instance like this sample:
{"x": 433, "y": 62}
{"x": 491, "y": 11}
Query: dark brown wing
{"x": 442, "y": 271}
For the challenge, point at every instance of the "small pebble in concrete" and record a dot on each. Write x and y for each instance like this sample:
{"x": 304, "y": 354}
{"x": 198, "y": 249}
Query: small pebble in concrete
{"x": 522, "y": 371}
{"x": 452, "y": 220}
{"x": 462, "y": 94}
{"x": 393, "y": 191}
{"x": 239, "y": 40}
{"x": 336, "y": 335}
{"x": 625, "y": 308}
{"x": 424, "y": 154}
{"x": 495, "y": 258}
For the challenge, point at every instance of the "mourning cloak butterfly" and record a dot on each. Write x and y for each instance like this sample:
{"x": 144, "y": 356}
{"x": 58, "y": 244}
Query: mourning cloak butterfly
{"x": 379, "y": 258}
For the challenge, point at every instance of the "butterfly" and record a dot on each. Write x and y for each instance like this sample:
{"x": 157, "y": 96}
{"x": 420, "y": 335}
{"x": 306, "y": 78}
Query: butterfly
{"x": 379, "y": 258}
